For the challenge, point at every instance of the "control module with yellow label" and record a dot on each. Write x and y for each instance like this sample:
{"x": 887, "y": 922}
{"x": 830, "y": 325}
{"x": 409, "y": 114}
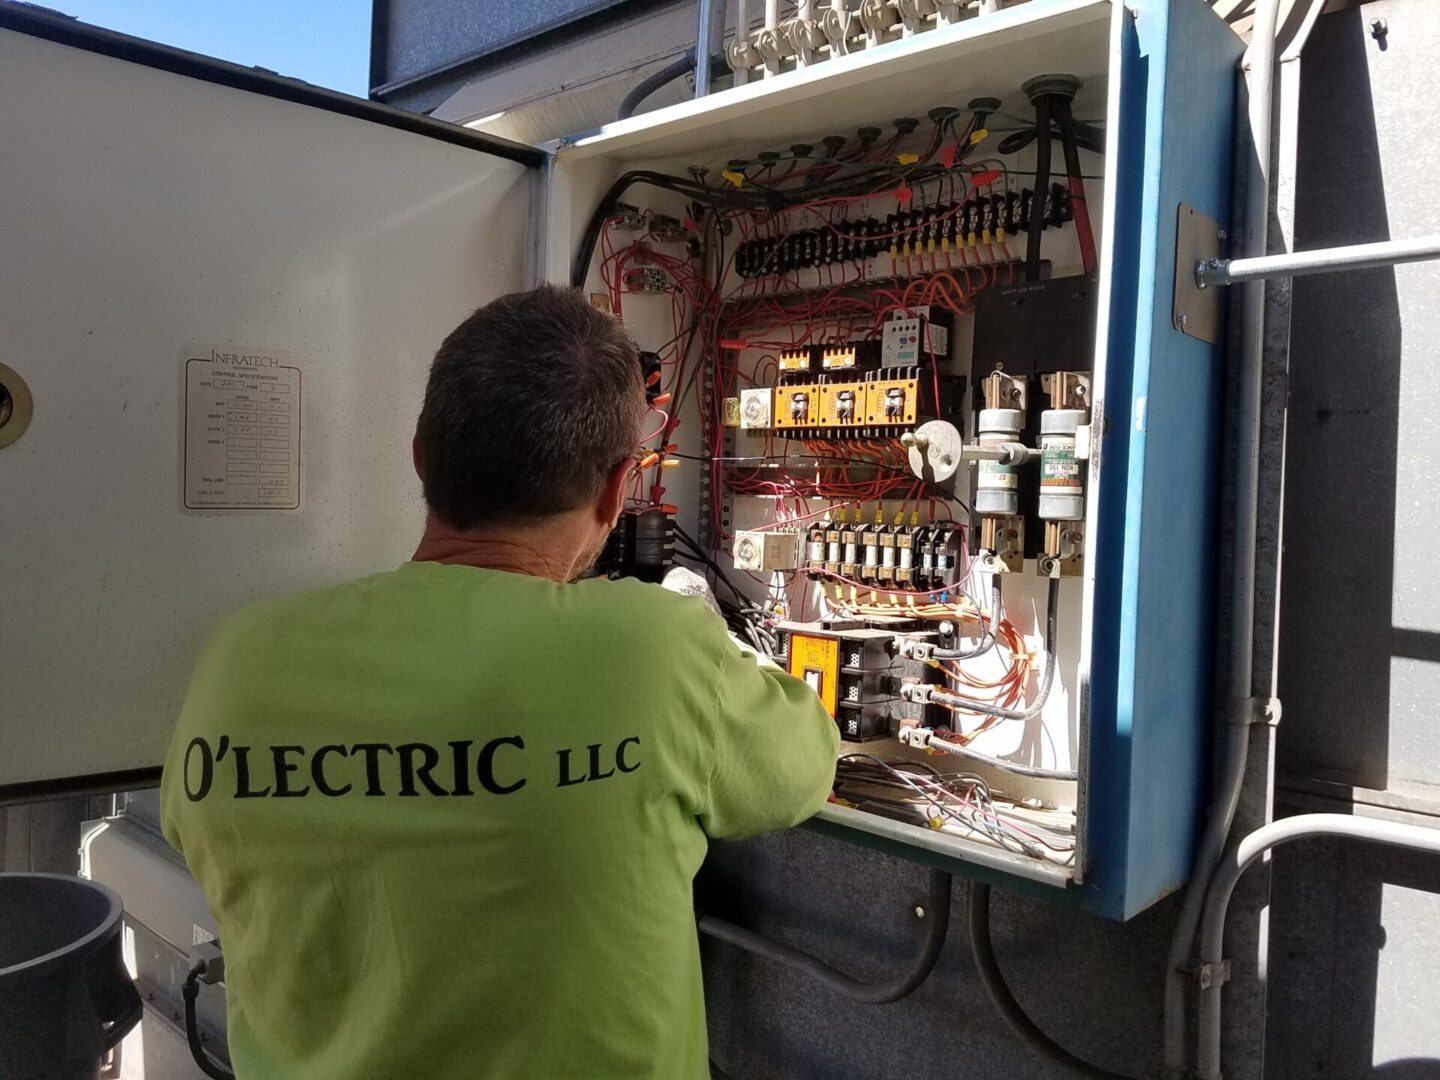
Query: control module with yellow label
{"x": 853, "y": 671}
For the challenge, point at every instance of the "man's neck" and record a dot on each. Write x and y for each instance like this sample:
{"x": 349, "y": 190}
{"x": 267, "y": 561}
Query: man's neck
{"x": 546, "y": 549}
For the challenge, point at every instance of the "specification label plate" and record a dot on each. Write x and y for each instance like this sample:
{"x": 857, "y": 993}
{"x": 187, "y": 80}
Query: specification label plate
{"x": 241, "y": 429}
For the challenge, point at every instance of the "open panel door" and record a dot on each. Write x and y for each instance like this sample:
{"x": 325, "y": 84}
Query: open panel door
{"x": 222, "y": 291}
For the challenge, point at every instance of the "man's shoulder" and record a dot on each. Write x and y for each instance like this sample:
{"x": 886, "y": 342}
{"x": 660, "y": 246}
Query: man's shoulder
{"x": 629, "y": 596}
{"x": 630, "y": 610}
{"x": 290, "y": 609}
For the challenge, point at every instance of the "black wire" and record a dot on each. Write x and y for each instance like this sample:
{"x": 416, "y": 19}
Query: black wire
{"x": 868, "y": 181}
{"x": 937, "y": 924}
{"x": 993, "y": 979}
{"x": 714, "y": 197}
{"x": 1042, "y": 184}
{"x": 190, "y": 991}
{"x": 991, "y": 633}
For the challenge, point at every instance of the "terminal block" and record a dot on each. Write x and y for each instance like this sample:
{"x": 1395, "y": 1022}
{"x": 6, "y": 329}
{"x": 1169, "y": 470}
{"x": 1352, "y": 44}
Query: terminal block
{"x": 627, "y": 218}
{"x": 667, "y": 230}
{"x": 856, "y": 356}
{"x": 646, "y": 279}
{"x": 801, "y": 359}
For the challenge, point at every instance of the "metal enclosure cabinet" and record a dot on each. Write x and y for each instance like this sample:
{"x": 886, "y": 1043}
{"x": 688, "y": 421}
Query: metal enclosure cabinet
{"x": 1162, "y": 74}
{"x": 201, "y": 209}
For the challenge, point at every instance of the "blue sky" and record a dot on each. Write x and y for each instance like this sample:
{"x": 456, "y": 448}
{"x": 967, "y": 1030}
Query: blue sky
{"x": 326, "y": 42}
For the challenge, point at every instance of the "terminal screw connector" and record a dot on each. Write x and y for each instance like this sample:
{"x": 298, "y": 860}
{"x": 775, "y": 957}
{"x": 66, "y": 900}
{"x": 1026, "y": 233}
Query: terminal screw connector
{"x": 917, "y": 692}
{"x": 909, "y": 649}
{"x": 917, "y": 737}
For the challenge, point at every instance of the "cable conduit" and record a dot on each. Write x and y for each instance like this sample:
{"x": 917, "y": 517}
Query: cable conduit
{"x": 937, "y": 926}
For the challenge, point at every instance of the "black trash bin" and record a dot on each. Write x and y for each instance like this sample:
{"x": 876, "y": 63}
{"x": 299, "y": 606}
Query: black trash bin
{"x": 65, "y": 996}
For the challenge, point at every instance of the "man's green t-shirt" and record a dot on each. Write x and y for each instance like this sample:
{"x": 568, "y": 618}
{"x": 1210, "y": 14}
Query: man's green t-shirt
{"x": 447, "y": 820}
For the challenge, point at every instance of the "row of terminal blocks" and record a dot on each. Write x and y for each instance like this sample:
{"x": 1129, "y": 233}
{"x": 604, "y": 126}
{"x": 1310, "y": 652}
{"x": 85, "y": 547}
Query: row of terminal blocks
{"x": 980, "y": 220}
{"x": 886, "y": 556}
{"x": 909, "y": 557}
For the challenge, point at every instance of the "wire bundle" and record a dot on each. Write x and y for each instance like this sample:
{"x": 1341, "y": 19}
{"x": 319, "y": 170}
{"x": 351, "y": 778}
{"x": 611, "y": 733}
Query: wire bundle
{"x": 959, "y": 800}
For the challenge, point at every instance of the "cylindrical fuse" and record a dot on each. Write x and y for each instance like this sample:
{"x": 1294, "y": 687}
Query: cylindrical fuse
{"x": 815, "y": 547}
{"x": 943, "y": 559}
{"x": 996, "y": 485}
{"x": 1062, "y": 486}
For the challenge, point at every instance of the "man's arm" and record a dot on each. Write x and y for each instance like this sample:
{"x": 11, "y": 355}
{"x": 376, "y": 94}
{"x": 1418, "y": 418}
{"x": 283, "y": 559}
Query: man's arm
{"x": 773, "y": 760}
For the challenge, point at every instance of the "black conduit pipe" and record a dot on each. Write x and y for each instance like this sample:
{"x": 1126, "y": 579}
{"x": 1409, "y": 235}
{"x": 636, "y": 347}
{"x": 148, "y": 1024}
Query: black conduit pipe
{"x": 993, "y": 980}
{"x": 937, "y": 915}
{"x": 1042, "y": 187}
{"x": 190, "y": 991}
{"x": 678, "y": 67}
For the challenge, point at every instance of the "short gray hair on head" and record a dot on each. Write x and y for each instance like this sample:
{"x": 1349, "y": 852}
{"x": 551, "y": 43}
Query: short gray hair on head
{"x": 531, "y": 403}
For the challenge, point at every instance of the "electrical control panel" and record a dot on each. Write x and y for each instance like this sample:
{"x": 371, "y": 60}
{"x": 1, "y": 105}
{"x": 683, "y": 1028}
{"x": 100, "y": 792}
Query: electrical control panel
{"x": 910, "y": 410}
{"x": 852, "y": 340}
{"x": 937, "y": 410}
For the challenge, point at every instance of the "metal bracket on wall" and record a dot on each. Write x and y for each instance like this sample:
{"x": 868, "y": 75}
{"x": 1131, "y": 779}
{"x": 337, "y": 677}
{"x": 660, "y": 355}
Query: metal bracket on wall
{"x": 1208, "y": 975}
{"x": 1255, "y": 710}
{"x": 1198, "y": 239}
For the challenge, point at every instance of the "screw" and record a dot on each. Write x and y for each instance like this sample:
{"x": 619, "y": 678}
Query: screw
{"x": 1379, "y": 28}
{"x": 1182, "y": 321}
{"x": 919, "y": 912}
{"x": 1222, "y": 236}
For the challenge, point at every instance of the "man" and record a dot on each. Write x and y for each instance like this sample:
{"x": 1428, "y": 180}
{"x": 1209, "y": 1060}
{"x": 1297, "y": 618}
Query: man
{"x": 447, "y": 817}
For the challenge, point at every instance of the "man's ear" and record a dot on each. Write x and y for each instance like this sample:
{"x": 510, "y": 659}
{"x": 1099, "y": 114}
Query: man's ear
{"x": 416, "y": 457}
{"x": 612, "y": 498}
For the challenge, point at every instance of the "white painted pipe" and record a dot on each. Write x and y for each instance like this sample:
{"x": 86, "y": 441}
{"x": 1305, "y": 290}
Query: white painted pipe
{"x": 772, "y": 23}
{"x": 1212, "y": 932}
{"x": 742, "y": 35}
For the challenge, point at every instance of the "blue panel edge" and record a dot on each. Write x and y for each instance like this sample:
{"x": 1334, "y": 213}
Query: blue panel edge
{"x": 1154, "y": 590}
